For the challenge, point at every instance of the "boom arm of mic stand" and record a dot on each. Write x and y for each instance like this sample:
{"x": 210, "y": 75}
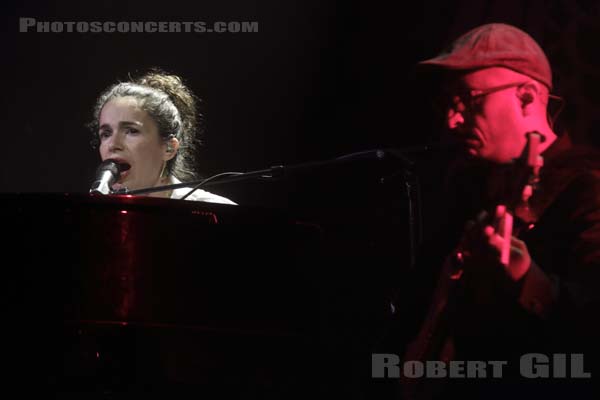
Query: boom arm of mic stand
{"x": 278, "y": 171}
{"x": 237, "y": 177}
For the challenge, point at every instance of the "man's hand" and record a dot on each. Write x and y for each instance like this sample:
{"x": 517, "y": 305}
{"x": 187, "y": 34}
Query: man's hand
{"x": 482, "y": 249}
{"x": 520, "y": 260}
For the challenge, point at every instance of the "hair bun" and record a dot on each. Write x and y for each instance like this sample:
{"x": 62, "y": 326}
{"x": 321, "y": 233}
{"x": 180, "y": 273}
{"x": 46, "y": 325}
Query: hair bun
{"x": 178, "y": 92}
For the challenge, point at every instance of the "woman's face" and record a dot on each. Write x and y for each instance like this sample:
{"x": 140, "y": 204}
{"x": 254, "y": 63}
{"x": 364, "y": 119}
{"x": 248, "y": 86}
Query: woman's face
{"x": 129, "y": 135}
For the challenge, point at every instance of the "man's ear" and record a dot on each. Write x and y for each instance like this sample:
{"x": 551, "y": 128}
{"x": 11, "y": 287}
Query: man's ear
{"x": 527, "y": 94}
{"x": 171, "y": 148}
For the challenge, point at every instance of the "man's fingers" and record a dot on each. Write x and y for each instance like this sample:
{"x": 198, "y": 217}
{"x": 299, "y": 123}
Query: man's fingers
{"x": 496, "y": 241}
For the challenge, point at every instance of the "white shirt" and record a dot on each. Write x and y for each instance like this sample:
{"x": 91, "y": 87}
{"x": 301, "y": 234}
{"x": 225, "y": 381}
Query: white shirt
{"x": 198, "y": 194}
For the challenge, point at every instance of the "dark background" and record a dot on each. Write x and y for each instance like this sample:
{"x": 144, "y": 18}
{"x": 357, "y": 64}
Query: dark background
{"x": 320, "y": 79}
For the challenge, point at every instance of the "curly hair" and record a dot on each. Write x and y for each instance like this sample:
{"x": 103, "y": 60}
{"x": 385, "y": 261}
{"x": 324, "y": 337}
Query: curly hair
{"x": 171, "y": 105}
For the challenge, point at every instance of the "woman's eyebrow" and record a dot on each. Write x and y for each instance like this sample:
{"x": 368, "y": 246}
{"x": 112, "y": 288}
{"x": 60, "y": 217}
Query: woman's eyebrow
{"x": 121, "y": 123}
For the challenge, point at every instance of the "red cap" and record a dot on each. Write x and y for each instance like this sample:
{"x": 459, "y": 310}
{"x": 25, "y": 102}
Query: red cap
{"x": 496, "y": 45}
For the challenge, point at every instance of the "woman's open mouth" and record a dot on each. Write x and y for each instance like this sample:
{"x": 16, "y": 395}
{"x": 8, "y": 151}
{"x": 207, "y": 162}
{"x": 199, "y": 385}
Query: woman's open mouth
{"x": 124, "y": 170}
{"x": 123, "y": 166}
{"x": 124, "y": 174}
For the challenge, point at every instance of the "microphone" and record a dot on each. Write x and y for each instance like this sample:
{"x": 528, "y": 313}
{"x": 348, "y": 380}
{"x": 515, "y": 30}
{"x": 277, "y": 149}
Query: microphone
{"x": 107, "y": 174}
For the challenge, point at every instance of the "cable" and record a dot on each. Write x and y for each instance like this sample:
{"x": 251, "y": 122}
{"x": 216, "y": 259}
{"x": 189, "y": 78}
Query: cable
{"x": 210, "y": 179}
{"x": 379, "y": 154}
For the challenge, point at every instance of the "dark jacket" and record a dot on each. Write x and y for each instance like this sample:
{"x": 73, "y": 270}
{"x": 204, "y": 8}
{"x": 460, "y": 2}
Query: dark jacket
{"x": 555, "y": 307}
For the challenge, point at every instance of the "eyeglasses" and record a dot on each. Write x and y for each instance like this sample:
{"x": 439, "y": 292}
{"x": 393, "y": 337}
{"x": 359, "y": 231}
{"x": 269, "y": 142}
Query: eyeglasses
{"x": 470, "y": 98}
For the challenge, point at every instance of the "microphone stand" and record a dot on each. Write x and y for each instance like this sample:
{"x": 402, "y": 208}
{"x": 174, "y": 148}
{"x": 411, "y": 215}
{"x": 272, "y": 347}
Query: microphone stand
{"x": 279, "y": 171}
{"x": 411, "y": 184}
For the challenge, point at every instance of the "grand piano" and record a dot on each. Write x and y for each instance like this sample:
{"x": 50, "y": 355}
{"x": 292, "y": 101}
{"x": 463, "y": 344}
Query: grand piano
{"x": 112, "y": 296}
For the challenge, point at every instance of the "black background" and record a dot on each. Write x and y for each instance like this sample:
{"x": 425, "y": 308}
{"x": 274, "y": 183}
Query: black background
{"x": 320, "y": 78}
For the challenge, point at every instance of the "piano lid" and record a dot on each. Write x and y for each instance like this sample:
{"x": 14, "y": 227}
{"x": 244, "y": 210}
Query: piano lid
{"x": 124, "y": 259}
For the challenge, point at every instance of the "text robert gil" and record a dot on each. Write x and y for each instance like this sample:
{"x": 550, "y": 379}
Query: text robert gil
{"x": 531, "y": 365}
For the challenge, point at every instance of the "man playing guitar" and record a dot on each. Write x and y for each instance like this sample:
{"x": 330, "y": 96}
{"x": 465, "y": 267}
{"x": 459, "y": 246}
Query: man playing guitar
{"x": 528, "y": 286}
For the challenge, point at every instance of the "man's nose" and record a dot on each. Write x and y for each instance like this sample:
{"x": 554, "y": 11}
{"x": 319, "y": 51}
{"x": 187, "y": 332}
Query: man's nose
{"x": 455, "y": 119}
{"x": 455, "y": 116}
